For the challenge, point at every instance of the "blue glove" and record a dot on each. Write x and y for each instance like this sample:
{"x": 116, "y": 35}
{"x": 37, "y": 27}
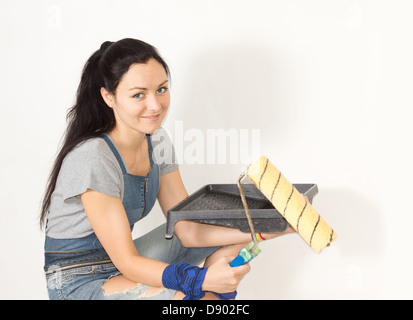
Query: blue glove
{"x": 226, "y": 296}
{"x": 185, "y": 278}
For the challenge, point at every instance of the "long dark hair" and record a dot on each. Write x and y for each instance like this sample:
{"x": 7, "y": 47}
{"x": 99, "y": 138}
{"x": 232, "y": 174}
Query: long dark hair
{"x": 90, "y": 116}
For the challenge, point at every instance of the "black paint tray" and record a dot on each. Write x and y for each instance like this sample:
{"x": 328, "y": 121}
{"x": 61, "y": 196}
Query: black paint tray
{"x": 220, "y": 204}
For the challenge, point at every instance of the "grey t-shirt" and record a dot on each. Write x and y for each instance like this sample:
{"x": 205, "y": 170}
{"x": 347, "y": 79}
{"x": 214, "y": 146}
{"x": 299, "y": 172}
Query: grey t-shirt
{"x": 92, "y": 165}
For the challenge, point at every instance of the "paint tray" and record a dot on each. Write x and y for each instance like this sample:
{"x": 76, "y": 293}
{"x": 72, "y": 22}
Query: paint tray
{"x": 221, "y": 204}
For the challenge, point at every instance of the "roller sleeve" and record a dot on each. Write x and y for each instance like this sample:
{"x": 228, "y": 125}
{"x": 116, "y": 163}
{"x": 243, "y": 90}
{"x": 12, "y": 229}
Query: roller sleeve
{"x": 291, "y": 204}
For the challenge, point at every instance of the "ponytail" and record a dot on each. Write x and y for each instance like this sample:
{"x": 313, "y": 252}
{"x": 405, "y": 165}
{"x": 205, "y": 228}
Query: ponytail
{"x": 91, "y": 117}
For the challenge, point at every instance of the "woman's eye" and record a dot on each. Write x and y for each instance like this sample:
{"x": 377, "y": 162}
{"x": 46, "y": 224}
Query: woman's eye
{"x": 162, "y": 90}
{"x": 138, "y": 96}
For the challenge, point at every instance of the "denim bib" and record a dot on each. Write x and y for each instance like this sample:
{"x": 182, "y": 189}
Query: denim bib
{"x": 140, "y": 193}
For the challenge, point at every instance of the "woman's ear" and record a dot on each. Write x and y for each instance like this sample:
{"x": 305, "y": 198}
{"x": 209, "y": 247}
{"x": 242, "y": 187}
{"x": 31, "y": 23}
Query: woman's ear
{"x": 108, "y": 97}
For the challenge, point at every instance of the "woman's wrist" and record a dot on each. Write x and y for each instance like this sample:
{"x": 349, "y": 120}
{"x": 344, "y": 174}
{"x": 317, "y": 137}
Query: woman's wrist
{"x": 259, "y": 237}
{"x": 205, "y": 284}
{"x": 207, "y": 288}
{"x": 185, "y": 278}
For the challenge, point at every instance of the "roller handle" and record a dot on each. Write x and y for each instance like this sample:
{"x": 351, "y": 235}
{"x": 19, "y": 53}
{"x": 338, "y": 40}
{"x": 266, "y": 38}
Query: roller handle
{"x": 245, "y": 255}
{"x": 238, "y": 261}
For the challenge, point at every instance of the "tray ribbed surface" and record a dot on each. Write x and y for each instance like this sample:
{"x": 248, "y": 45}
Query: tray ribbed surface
{"x": 217, "y": 201}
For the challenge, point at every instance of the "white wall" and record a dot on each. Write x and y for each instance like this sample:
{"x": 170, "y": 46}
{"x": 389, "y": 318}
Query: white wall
{"x": 328, "y": 83}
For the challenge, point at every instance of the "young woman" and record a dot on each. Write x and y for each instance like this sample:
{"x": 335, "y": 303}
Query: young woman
{"x": 106, "y": 177}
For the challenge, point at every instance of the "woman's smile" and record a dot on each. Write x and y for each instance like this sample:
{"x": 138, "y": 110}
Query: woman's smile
{"x": 152, "y": 118}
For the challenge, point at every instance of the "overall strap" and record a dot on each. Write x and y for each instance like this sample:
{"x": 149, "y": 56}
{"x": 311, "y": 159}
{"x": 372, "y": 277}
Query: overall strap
{"x": 115, "y": 152}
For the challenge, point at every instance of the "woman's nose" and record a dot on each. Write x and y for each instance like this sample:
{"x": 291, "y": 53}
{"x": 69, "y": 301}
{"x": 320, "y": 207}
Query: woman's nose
{"x": 153, "y": 103}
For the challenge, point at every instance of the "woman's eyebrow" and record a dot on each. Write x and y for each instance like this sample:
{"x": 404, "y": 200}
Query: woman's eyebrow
{"x": 141, "y": 88}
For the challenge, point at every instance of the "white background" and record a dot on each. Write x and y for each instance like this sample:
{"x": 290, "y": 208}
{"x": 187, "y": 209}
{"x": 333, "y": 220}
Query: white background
{"x": 328, "y": 83}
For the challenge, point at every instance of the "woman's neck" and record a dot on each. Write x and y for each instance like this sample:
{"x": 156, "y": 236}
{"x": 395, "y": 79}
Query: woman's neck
{"x": 127, "y": 140}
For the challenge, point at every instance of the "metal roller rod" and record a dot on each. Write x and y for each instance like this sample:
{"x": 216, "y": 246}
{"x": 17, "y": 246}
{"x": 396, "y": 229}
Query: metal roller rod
{"x": 247, "y": 211}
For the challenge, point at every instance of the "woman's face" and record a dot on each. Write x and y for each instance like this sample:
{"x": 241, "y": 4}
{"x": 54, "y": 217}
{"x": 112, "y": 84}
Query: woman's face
{"x": 141, "y": 99}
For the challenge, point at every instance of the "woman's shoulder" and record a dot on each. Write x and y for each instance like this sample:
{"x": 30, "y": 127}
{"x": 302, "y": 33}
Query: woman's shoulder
{"x": 91, "y": 151}
{"x": 97, "y": 144}
{"x": 90, "y": 165}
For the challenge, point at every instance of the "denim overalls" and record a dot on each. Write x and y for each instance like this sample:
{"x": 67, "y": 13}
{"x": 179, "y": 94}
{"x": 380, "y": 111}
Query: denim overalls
{"x": 77, "y": 268}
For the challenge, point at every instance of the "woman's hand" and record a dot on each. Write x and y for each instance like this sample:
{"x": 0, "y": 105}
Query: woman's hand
{"x": 268, "y": 236}
{"x": 222, "y": 278}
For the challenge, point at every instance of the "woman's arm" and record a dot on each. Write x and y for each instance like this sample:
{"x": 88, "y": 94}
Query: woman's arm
{"x": 110, "y": 224}
{"x": 193, "y": 234}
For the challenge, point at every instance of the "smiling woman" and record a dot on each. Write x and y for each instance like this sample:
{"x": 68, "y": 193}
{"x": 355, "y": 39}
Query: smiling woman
{"x": 106, "y": 178}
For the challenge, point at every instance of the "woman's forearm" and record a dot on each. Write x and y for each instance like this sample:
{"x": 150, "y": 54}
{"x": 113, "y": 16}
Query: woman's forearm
{"x": 194, "y": 234}
{"x": 143, "y": 270}
{"x": 218, "y": 277}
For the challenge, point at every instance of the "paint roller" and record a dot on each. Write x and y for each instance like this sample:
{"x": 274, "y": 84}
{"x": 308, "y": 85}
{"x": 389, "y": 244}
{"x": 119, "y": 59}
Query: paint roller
{"x": 290, "y": 203}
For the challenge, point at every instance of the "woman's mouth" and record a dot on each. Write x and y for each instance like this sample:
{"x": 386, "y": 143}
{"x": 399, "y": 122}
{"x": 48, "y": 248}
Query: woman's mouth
{"x": 152, "y": 118}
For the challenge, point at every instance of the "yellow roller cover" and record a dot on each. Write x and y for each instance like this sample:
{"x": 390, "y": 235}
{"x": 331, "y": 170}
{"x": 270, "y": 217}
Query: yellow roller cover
{"x": 299, "y": 213}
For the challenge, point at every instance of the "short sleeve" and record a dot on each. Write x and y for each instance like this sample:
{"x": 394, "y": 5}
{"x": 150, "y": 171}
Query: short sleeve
{"x": 164, "y": 151}
{"x": 90, "y": 166}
